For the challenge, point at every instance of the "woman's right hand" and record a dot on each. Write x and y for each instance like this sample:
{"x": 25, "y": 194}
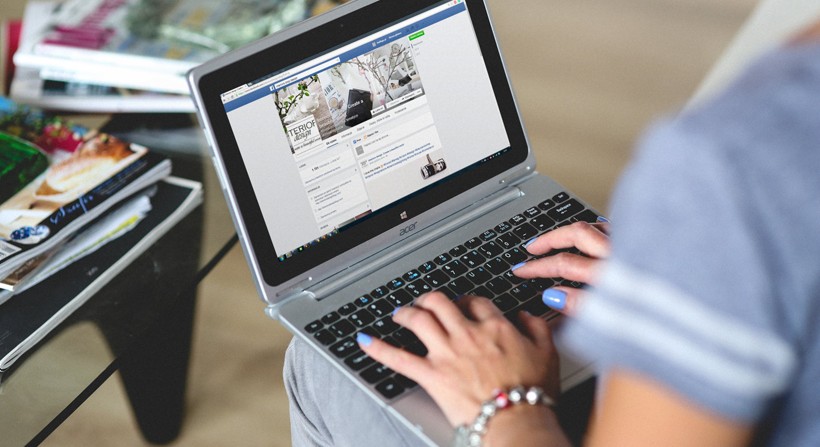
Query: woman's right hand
{"x": 591, "y": 240}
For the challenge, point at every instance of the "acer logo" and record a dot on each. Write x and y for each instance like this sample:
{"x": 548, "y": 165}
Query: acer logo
{"x": 408, "y": 229}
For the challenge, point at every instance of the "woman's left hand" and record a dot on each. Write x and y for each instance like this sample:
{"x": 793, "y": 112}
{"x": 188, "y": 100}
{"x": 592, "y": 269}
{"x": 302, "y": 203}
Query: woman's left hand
{"x": 473, "y": 350}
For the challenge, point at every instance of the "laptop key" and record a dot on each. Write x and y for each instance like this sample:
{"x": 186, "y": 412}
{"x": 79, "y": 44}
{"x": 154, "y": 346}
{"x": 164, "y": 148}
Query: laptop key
{"x": 385, "y": 326}
{"x": 535, "y": 306}
{"x": 457, "y": 251}
{"x": 490, "y": 249}
{"x": 488, "y": 235}
{"x": 455, "y": 268}
{"x": 389, "y": 388}
{"x": 397, "y": 283}
{"x": 586, "y": 216}
{"x": 523, "y": 292}
{"x": 510, "y": 276}
{"x": 542, "y": 223}
{"x": 442, "y": 259}
{"x": 411, "y": 276}
{"x": 504, "y": 302}
{"x": 381, "y": 308}
{"x": 447, "y": 291}
{"x": 541, "y": 284}
{"x": 400, "y": 298}
{"x": 427, "y": 267}
{"x": 324, "y": 337}
{"x": 344, "y": 347}
{"x": 546, "y": 204}
{"x": 330, "y": 318}
{"x": 525, "y": 231}
{"x": 566, "y": 210}
{"x": 473, "y": 243}
{"x": 503, "y": 227}
{"x": 460, "y": 285}
{"x": 531, "y": 212}
{"x": 497, "y": 266}
{"x": 418, "y": 288}
{"x": 514, "y": 256}
{"x": 498, "y": 285}
{"x": 479, "y": 275}
{"x": 417, "y": 348}
{"x": 375, "y": 373}
{"x": 358, "y": 361}
{"x": 342, "y": 328}
{"x": 436, "y": 278}
{"x": 518, "y": 219}
{"x": 313, "y": 326}
{"x": 405, "y": 381}
{"x": 560, "y": 197}
{"x": 363, "y": 300}
{"x": 361, "y": 318}
{"x": 508, "y": 240}
{"x": 347, "y": 309}
{"x": 482, "y": 291}
{"x": 473, "y": 259}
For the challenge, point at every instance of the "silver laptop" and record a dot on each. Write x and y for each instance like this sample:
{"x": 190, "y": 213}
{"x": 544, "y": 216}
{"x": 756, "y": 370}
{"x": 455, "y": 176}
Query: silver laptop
{"x": 373, "y": 154}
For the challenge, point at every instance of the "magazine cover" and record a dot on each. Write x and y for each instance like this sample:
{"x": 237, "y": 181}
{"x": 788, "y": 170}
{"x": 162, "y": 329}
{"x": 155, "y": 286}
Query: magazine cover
{"x": 56, "y": 177}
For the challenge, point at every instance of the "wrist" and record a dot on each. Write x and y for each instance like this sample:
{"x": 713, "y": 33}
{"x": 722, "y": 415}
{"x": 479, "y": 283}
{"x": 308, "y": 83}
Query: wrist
{"x": 506, "y": 406}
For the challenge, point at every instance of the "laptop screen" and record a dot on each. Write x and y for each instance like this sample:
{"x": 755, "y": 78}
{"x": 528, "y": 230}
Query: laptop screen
{"x": 390, "y": 122}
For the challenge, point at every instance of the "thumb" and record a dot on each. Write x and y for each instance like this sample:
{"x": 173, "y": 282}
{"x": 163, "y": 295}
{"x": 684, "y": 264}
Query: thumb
{"x": 563, "y": 299}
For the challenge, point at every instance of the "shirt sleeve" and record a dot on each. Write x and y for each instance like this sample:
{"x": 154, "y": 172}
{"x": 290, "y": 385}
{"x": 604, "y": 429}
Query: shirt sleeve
{"x": 690, "y": 297}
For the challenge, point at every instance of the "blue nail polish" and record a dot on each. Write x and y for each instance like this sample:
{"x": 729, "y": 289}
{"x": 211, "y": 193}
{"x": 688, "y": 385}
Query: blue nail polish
{"x": 394, "y": 311}
{"x": 519, "y": 265}
{"x": 530, "y": 242}
{"x": 364, "y": 339}
{"x": 602, "y": 219}
{"x": 555, "y": 298}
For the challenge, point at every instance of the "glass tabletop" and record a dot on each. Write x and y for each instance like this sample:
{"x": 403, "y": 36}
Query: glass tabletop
{"x": 111, "y": 329}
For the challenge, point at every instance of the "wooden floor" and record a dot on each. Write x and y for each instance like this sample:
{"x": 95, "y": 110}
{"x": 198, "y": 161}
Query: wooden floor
{"x": 588, "y": 76}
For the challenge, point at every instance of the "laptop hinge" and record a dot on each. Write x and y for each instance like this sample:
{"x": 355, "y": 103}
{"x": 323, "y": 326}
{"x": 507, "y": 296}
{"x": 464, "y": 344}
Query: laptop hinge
{"x": 396, "y": 251}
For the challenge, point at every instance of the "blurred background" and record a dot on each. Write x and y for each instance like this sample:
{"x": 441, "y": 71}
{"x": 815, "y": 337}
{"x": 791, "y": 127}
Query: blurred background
{"x": 588, "y": 75}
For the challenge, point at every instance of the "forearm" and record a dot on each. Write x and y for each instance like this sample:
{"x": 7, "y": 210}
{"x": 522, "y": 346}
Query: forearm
{"x": 525, "y": 425}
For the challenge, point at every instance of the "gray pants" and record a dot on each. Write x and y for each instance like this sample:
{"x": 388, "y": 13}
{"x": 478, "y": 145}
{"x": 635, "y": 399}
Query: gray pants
{"x": 327, "y": 409}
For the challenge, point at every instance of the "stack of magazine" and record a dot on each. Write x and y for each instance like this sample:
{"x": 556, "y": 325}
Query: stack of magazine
{"x": 132, "y": 55}
{"x": 65, "y": 191}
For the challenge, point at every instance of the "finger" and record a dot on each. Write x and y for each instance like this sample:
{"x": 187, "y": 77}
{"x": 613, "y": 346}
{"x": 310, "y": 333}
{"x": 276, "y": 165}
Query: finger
{"x": 536, "y": 329}
{"x": 397, "y": 359}
{"x": 447, "y": 314}
{"x": 423, "y": 323}
{"x": 563, "y": 299}
{"x": 478, "y": 308}
{"x": 589, "y": 238}
{"x": 563, "y": 265}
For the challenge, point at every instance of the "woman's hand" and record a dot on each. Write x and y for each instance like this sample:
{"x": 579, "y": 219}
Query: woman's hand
{"x": 473, "y": 350}
{"x": 590, "y": 239}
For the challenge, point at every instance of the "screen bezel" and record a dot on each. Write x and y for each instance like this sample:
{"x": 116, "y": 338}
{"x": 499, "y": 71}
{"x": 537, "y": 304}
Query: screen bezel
{"x": 320, "y": 39}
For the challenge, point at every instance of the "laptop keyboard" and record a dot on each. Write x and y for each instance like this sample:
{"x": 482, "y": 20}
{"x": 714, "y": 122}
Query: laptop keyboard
{"x": 480, "y": 266}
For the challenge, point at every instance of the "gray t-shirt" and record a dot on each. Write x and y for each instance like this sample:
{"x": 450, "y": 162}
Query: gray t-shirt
{"x": 713, "y": 287}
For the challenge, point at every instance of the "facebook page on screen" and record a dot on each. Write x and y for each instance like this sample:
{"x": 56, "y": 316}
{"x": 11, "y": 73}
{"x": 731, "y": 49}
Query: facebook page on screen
{"x": 347, "y": 133}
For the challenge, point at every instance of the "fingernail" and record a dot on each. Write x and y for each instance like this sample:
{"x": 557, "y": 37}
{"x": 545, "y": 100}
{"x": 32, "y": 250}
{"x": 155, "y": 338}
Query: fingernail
{"x": 458, "y": 297}
{"x": 555, "y": 298}
{"x": 530, "y": 242}
{"x": 364, "y": 339}
{"x": 395, "y": 310}
{"x": 602, "y": 219}
{"x": 518, "y": 266}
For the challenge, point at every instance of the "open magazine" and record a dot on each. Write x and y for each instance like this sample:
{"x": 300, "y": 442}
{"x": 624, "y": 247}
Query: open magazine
{"x": 55, "y": 178}
{"x": 68, "y": 282}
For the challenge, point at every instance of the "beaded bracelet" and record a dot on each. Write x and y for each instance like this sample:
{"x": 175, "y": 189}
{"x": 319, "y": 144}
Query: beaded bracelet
{"x": 471, "y": 435}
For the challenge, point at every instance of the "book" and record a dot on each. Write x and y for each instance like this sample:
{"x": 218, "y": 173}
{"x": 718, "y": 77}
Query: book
{"x": 29, "y": 88}
{"x": 56, "y": 177}
{"x": 144, "y": 44}
{"x": 33, "y": 314}
{"x": 110, "y": 226}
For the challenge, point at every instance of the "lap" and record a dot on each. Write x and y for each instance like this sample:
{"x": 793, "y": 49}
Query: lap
{"x": 327, "y": 408}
